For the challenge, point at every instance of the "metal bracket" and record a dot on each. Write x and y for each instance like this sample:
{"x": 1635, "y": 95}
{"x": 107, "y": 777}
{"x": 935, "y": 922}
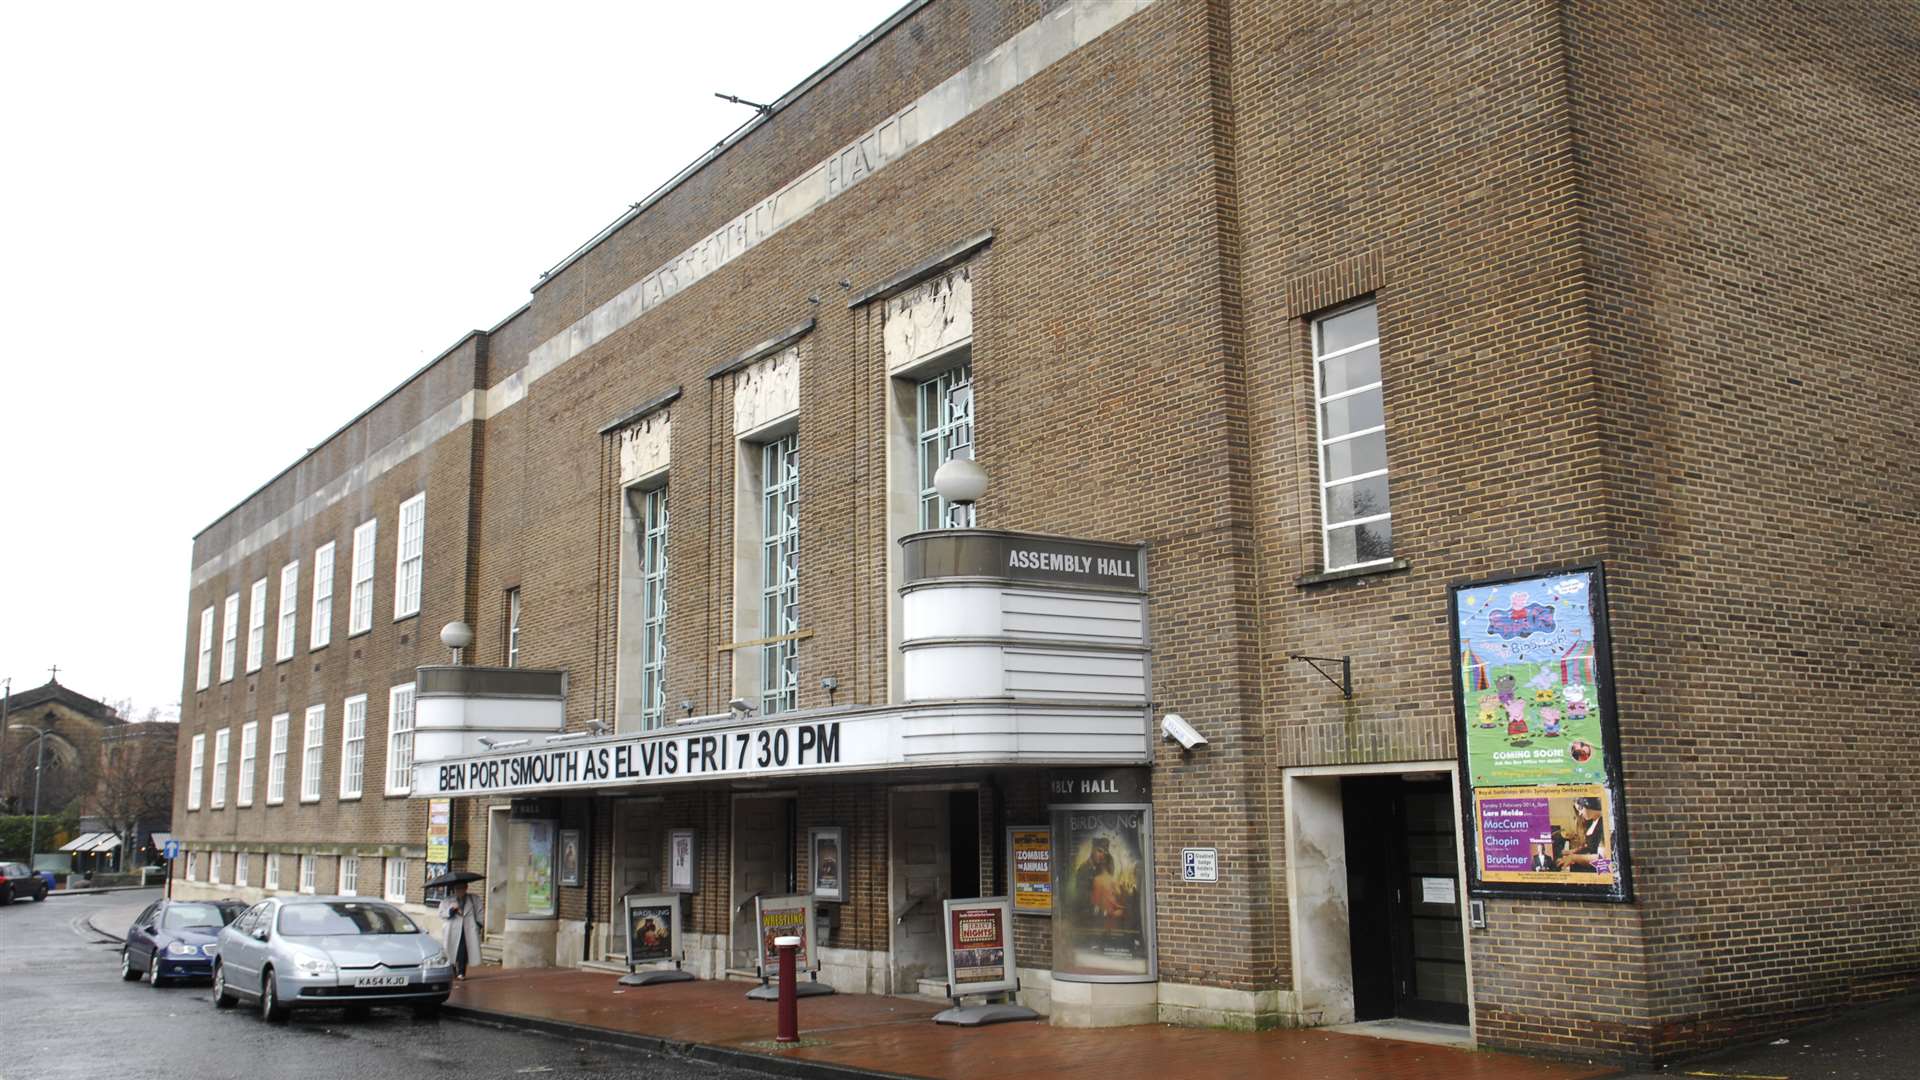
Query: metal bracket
{"x": 1344, "y": 682}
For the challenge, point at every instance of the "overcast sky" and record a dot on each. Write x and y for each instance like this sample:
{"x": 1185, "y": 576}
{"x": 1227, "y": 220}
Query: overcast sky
{"x": 227, "y": 228}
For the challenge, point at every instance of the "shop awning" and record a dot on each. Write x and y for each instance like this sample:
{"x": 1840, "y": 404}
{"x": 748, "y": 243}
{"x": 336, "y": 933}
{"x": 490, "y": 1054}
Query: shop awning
{"x": 103, "y": 842}
{"x": 159, "y": 840}
{"x": 83, "y": 842}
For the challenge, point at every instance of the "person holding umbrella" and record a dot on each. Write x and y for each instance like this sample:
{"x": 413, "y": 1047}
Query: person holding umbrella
{"x": 460, "y": 914}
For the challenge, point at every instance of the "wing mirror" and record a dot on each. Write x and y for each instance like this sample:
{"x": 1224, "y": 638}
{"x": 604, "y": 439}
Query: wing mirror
{"x": 150, "y": 928}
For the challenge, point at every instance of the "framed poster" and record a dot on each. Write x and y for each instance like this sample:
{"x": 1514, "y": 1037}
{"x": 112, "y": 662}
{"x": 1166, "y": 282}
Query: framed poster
{"x": 570, "y": 857}
{"x": 439, "y": 830}
{"x": 1539, "y": 740}
{"x": 683, "y": 852}
{"x": 540, "y": 867}
{"x": 784, "y": 916}
{"x": 826, "y": 846}
{"x": 1030, "y": 851}
{"x": 980, "y": 947}
{"x": 653, "y": 928}
{"x": 1103, "y": 903}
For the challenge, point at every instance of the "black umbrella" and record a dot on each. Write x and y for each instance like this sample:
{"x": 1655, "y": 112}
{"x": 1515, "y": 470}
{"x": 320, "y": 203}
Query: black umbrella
{"x": 454, "y": 877}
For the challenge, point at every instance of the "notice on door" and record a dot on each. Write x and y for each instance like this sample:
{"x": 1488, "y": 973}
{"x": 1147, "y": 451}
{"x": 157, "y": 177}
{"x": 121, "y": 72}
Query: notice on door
{"x": 1436, "y": 890}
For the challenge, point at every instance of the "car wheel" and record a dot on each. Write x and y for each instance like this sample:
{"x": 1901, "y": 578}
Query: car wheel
{"x": 270, "y": 1008}
{"x": 41, "y": 895}
{"x": 153, "y": 972}
{"x": 221, "y": 998}
{"x": 427, "y": 1010}
{"x": 127, "y": 970}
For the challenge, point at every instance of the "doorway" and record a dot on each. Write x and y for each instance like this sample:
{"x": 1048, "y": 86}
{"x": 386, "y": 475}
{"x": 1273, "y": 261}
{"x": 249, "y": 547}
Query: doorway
{"x": 1402, "y": 858}
{"x": 762, "y": 866}
{"x": 935, "y": 857}
{"x": 636, "y": 860}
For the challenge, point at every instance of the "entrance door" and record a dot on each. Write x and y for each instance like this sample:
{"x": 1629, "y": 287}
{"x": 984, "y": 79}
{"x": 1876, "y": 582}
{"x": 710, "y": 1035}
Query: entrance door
{"x": 762, "y": 866}
{"x": 1403, "y": 874}
{"x": 922, "y": 878}
{"x": 636, "y": 859}
{"x": 498, "y": 875}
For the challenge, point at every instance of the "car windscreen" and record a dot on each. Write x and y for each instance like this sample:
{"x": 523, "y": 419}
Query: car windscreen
{"x": 343, "y": 917}
{"x": 181, "y": 916}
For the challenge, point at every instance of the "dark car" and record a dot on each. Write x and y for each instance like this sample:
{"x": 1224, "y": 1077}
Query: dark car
{"x": 176, "y": 939}
{"x": 16, "y": 881}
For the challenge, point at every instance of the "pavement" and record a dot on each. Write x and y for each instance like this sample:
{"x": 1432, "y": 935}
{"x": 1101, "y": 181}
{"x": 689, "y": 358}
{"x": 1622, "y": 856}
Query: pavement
{"x": 854, "y": 1035}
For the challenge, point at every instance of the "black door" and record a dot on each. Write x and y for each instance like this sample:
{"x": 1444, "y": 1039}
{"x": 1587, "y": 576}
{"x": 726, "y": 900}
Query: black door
{"x": 1403, "y": 900}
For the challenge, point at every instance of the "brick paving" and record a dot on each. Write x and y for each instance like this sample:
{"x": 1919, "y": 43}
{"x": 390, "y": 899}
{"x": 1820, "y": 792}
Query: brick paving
{"x": 896, "y": 1036}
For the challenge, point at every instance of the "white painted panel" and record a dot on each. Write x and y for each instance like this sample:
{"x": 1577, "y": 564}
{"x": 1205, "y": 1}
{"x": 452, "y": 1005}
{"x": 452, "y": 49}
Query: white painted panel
{"x": 1119, "y": 619}
{"x": 489, "y": 715}
{"x": 960, "y": 611}
{"x": 1037, "y": 673}
{"x": 943, "y": 673}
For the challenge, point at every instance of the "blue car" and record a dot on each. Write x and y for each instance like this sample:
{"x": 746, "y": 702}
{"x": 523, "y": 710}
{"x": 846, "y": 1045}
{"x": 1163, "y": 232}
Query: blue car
{"x": 175, "y": 939}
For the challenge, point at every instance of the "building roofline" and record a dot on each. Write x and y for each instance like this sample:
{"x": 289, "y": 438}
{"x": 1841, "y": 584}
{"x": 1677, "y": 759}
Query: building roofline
{"x": 820, "y": 75}
{"x": 357, "y": 417}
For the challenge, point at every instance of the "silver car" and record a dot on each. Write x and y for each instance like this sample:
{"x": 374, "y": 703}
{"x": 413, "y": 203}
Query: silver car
{"x": 306, "y": 951}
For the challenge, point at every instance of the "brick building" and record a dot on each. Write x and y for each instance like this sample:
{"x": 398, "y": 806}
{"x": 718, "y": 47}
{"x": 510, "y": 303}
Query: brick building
{"x": 1294, "y": 340}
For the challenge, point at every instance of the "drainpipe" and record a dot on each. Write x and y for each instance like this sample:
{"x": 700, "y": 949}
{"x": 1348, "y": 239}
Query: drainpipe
{"x": 586, "y": 878}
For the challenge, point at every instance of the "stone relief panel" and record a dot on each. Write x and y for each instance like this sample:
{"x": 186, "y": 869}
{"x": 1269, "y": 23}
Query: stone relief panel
{"x": 929, "y": 318}
{"x": 766, "y": 391}
{"x": 645, "y": 448}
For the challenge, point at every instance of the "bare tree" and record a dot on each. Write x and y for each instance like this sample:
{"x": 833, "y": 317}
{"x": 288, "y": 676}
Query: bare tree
{"x": 136, "y": 780}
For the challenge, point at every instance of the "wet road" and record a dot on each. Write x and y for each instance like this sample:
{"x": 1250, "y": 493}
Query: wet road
{"x": 68, "y": 1016}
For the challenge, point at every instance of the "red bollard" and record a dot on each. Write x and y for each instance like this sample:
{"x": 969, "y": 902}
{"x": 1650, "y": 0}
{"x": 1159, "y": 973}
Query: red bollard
{"x": 789, "y": 1000}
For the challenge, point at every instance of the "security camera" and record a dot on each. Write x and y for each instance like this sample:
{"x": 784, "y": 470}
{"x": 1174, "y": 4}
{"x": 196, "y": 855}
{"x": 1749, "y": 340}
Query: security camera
{"x": 741, "y": 706}
{"x": 1175, "y": 727}
{"x": 598, "y": 726}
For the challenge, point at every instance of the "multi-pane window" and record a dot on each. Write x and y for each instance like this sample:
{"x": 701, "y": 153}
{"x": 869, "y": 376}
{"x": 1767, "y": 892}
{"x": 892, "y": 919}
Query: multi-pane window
{"x": 205, "y": 678}
{"x": 249, "y": 749}
{"x": 353, "y": 745}
{"x": 650, "y": 520}
{"x": 349, "y": 875}
{"x": 779, "y": 571}
{"x": 213, "y": 868}
{"x": 408, "y": 556}
{"x": 193, "y": 866}
{"x": 945, "y": 425}
{"x": 1355, "y": 522}
{"x": 277, "y": 760}
{"x": 289, "y": 610}
{"x": 218, "y": 795}
{"x": 322, "y": 618}
{"x": 273, "y": 872}
{"x": 306, "y": 873}
{"x": 196, "y": 771}
{"x": 257, "y": 626}
{"x": 240, "y": 869}
{"x": 513, "y": 628}
{"x": 400, "y": 740}
{"x": 360, "y": 608}
{"x": 312, "y": 740}
{"x": 230, "y": 637}
{"x": 396, "y": 881}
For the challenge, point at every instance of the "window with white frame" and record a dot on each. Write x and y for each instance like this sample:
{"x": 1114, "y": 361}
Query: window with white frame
{"x": 779, "y": 572}
{"x": 349, "y": 875}
{"x": 213, "y": 868}
{"x": 277, "y": 759}
{"x": 409, "y": 551}
{"x": 310, "y": 749}
{"x": 322, "y": 617}
{"x": 400, "y": 739}
{"x": 289, "y": 611}
{"x": 1356, "y": 523}
{"x": 205, "y": 678}
{"x": 193, "y": 866}
{"x": 273, "y": 871}
{"x": 196, "y": 771}
{"x": 396, "y": 891}
{"x": 306, "y": 874}
{"x": 513, "y": 628}
{"x": 218, "y": 795}
{"x": 650, "y": 524}
{"x": 249, "y": 749}
{"x": 257, "y": 626}
{"x": 240, "y": 869}
{"x": 353, "y": 746}
{"x": 944, "y": 415}
{"x": 360, "y": 596}
{"x": 230, "y": 637}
